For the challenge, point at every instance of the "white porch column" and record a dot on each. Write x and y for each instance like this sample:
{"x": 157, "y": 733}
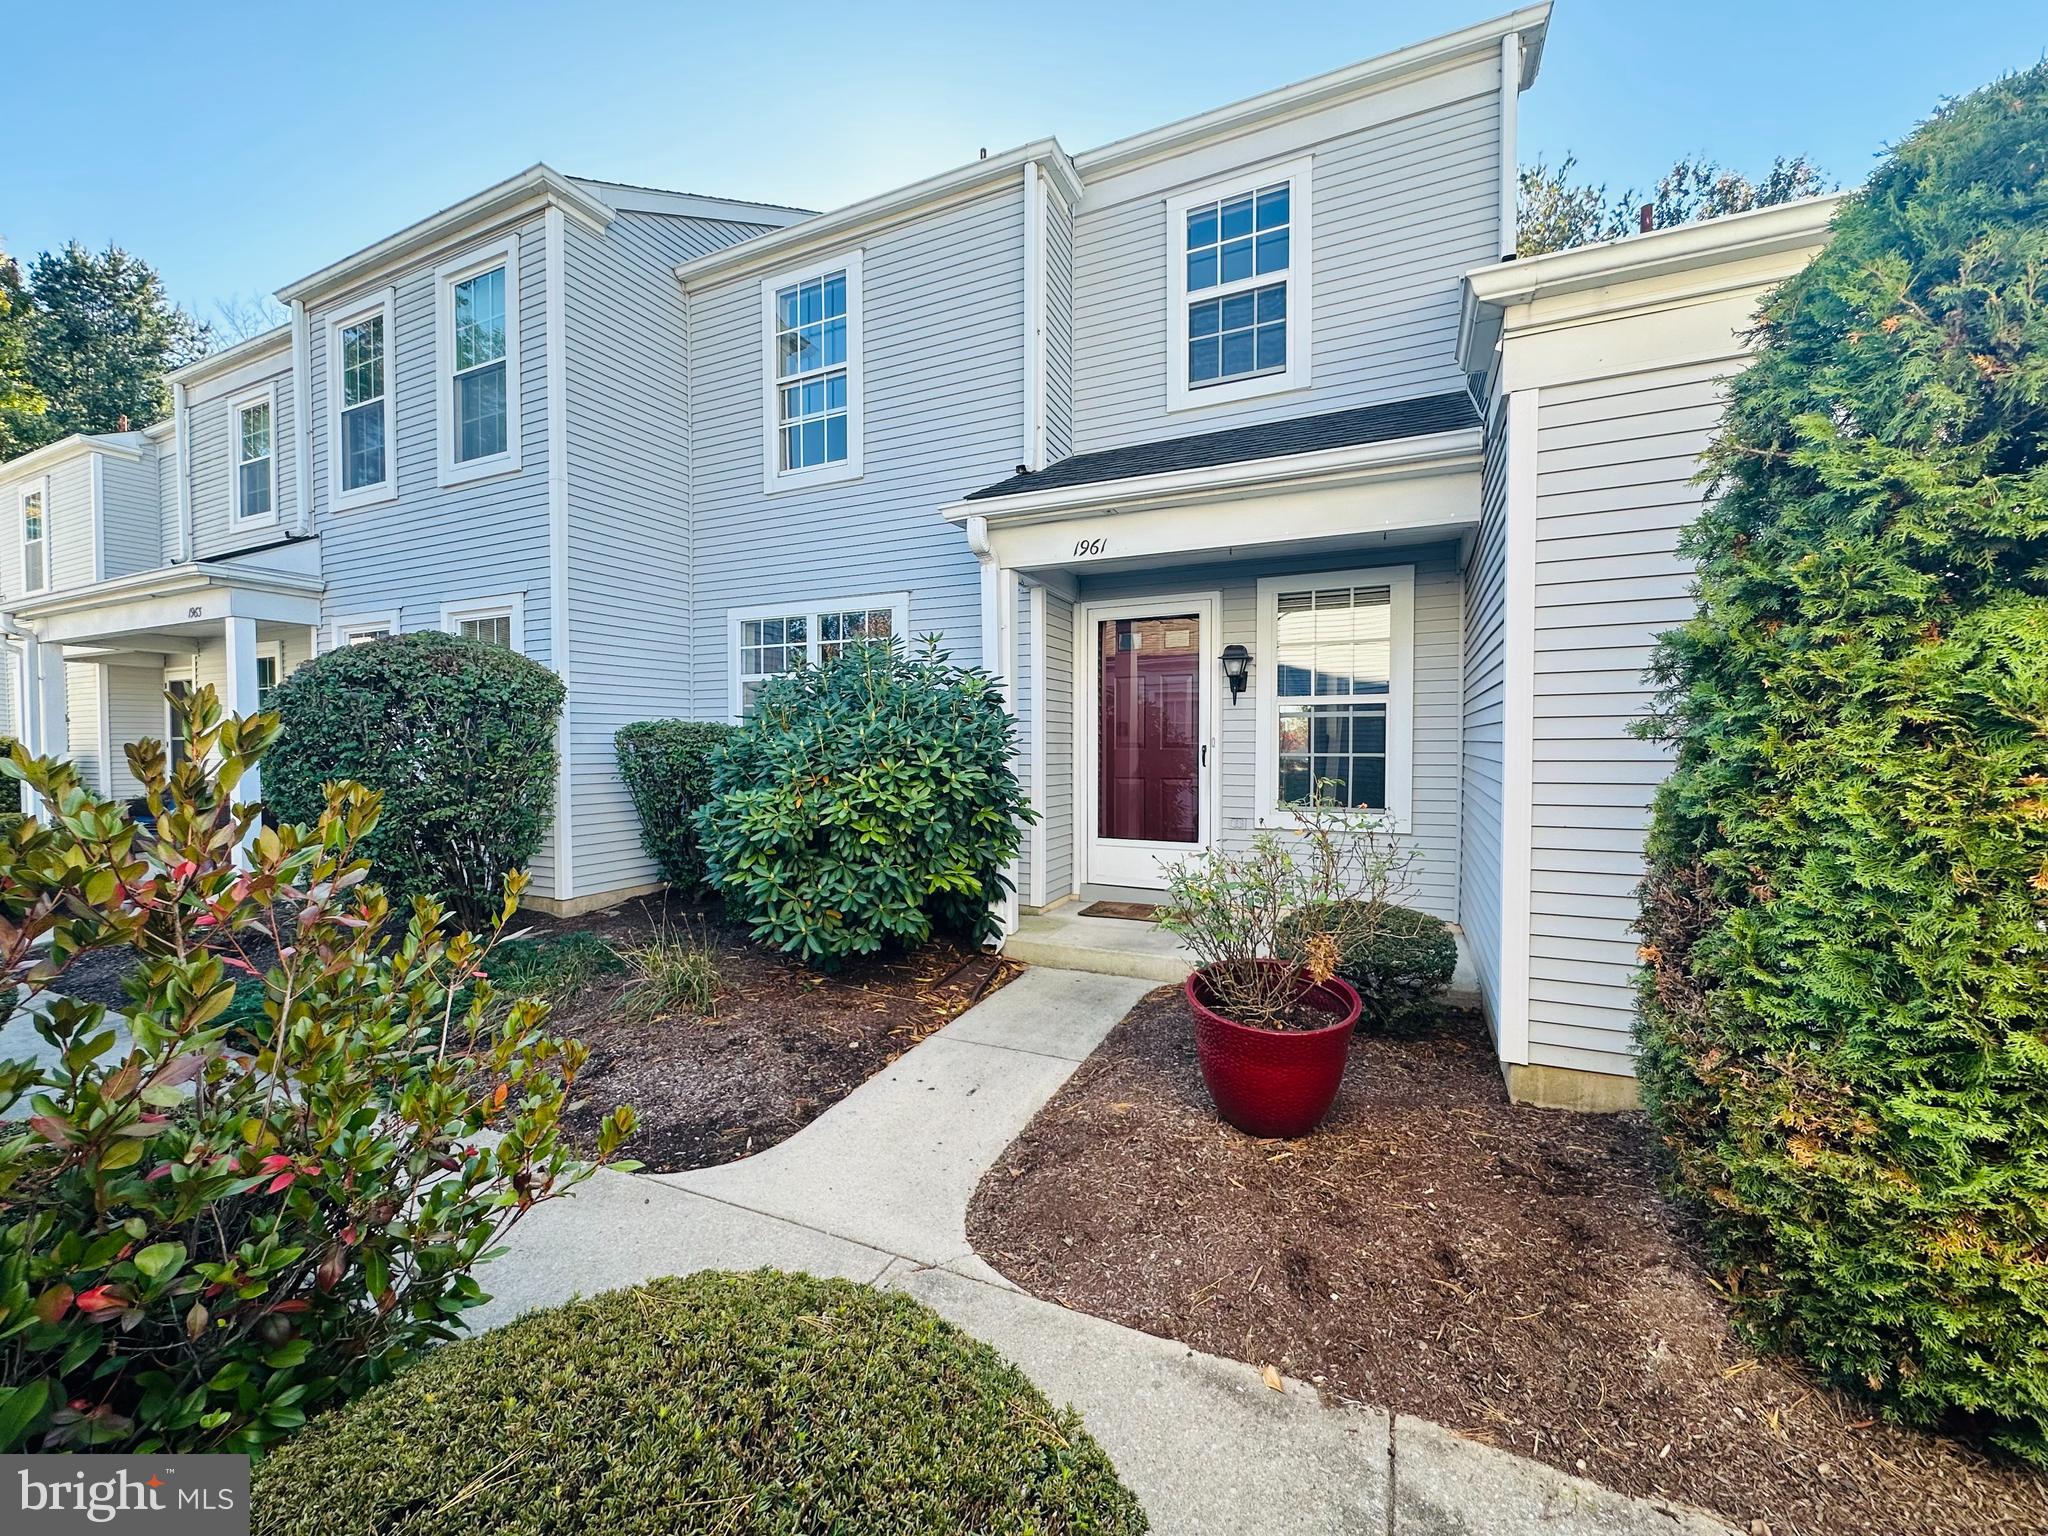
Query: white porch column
{"x": 45, "y": 702}
{"x": 1040, "y": 702}
{"x": 999, "y": 659}
{"x": 239, "y": 696}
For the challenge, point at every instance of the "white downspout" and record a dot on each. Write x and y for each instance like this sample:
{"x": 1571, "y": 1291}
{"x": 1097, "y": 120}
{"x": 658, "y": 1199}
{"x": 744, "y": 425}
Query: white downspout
{"x": 1510, "y": 179}
{"x": 182, "y": 434}
{"x": 302, "y": 420}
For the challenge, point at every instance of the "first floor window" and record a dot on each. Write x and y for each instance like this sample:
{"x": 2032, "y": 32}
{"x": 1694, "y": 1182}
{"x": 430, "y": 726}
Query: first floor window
{"x": 1337, "y": 721}
{"x": 254, "y": 463}
{"x": 35, "y": 569}
{"x": 266, "y": 680}
{"x": 492, "y": 628}
{"x": 362, "y": 631}
{"x": 179, "y": 690}
{"x": 770, "y": 642}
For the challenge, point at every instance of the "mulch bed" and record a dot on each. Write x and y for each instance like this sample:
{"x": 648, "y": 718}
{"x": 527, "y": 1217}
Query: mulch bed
{"x": 1510, "y": 1272}
{"x": 782, "y": 1046}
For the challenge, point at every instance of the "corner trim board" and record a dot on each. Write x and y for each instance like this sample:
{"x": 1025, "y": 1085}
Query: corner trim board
{"x": 1518, "y": 708}
{"x": 555, "y": 330}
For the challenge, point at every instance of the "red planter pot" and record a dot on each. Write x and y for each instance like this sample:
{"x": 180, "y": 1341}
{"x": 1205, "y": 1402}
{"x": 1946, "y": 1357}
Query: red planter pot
{"x": 1274, "y": 1082}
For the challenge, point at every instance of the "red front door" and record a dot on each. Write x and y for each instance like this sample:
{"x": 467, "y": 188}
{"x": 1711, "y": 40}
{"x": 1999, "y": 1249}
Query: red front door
{"x": 1149, "y": 725}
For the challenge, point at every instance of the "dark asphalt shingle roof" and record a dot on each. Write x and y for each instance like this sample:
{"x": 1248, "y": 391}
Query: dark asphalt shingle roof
{"x": 1236, "y": 445}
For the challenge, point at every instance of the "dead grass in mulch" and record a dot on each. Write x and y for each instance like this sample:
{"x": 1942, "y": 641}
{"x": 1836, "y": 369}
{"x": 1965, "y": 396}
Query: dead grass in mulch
{"x": 782, "y": 1045}
{"x": 1510, "y": 1272}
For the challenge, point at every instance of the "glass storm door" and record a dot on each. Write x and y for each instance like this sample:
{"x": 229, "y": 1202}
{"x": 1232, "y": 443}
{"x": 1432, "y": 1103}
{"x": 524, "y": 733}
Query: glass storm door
{"x": 1151, "y": 712}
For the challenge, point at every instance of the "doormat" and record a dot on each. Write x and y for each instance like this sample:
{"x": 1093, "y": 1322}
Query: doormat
{"x": 1134, "y": 911}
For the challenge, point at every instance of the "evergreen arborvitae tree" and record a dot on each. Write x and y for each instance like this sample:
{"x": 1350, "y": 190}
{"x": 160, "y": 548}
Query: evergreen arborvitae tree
{"x": 1845, "y": 1025}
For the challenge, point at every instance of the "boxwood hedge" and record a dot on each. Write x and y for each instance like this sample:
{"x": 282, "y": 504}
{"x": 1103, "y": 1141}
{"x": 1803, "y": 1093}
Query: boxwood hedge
{"x": 667, "y": 767}
{"x": 745, "y": 1404}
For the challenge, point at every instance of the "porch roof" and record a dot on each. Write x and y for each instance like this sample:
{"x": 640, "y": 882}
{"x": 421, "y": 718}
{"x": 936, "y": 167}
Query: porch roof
{"x": 1388, "y": 421}
{"x": 176, "y": 599}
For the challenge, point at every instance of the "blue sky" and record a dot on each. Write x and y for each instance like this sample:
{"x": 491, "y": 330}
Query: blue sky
{"x": 240, "y": 146}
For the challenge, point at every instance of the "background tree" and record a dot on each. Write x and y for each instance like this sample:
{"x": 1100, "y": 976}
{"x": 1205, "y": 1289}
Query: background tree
{"x": 21, "y": 403}
{"x": 101, "y": 335}
{"x": 240, "y": 316}
{"x": 1556, "y": 212}
{"x": 1844, "y": 1036}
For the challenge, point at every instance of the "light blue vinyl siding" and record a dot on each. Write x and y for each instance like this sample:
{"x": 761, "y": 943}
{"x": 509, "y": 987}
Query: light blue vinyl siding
{"x": 1059, "y": 329}
{"x": 1485, "y": 689}
{"x": 82, "y": 720}
{"x": 209, "y": 438}
{"x": 432, "y": 545}
{"x": 135, "y": 712}
{"x": 943, "y": 321}
{"x": 1439, "y": 645}
{"x": 68, "y": 525}
{"x": 166, "y": 461}
{"x": 1401, "y": 210}
{"x": 629, "y": 513}
{"x": 130, "y": 519}
{"x": 1614, "y": 488}
{"x": 1060, "y": 737}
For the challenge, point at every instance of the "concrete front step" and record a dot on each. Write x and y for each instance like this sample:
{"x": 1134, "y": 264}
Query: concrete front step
{"x": 1108, "y": 946}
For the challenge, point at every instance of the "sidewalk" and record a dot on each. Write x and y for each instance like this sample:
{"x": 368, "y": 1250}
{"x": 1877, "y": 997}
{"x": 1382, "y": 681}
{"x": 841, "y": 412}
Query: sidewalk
{"x": 876, "y": 1190}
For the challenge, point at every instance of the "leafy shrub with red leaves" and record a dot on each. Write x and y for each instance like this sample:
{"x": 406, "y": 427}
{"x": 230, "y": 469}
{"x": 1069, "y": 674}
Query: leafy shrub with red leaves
{"x": 202, "y": 1241}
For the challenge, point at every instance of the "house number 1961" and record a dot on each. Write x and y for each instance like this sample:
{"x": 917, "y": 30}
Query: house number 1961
{"x": 1095, "y": 546}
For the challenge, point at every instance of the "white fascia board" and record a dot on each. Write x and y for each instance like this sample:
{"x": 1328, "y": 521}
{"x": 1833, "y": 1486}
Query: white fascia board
{"x": 50, "y": 455}
{"x": 623, "y": 197}
{"x": 1437, "y": 451}
{"x": 856, "y": 219}
{"x": 228, "y": 358}
{"x": 1612, "y": 264}
{"x": 528, "y": 192}
{"x": 170, "y": 581}
{"x": 1324, "y": 90}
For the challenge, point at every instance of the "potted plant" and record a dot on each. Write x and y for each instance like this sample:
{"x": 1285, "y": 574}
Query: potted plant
{"x": 1269, "y": 925}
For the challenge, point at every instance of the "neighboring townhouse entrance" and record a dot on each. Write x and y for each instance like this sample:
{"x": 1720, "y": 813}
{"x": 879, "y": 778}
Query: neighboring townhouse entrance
{"x": 1149, "y": 774}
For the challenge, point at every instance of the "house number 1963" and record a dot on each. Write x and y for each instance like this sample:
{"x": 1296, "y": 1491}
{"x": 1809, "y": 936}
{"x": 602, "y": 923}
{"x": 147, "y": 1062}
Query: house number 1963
{"x": 1094, "y": 546}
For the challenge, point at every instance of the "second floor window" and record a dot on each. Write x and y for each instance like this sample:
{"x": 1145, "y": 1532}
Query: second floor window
{"x": 480, "y": 419}
{"x": 813, "y": 333}
{"x": 35, "y": 564}
{"x": 1239, "y": 315}
{"x": 359, "y": 391}
{"x": 255, "y": 463}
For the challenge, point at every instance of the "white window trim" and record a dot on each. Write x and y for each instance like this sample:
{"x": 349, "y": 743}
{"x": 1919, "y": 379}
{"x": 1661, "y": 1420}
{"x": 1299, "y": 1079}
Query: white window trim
{"x": 22, "y": 492}
{"x": 511, "y": 606}
{"x": 503, "y": 253}
{"x": 1400, "y": 583}
{"x": 1180, "y": 395}
{"x": 774, "y": 478}
{"x": 274, "y": 649}
{"x": 266, "y": 395}
{"x": 350, "y": 624}
{"x": 898, "y": 604}
{"x": 382, "y": 303}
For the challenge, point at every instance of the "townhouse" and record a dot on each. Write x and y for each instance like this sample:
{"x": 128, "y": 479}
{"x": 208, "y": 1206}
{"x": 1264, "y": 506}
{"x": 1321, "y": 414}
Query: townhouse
{"x": 1241, "y": 448}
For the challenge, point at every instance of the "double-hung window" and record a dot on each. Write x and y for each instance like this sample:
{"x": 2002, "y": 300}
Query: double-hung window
{"x": 494, "y": 620}
{"x": 477, "y": 315}
{"x": 35, "y": 542}
{"x": 1336, "y": 663}
{"x": 361, "y": 427}
{"x": 363, "y": 628}
{"x": 766, "y": 642}
{"x": 251, "y": 426}
{"x": 269, "y": 672}
{"x": 1239, "y": 285}
{"x": 811, "y": 325}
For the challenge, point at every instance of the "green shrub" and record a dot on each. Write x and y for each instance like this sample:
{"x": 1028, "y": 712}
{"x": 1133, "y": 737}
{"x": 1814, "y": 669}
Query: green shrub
{"x": 1846, "y": 913}
{"x": 457, "y": 735}
{"x": 866, "y": 802}
{"x": 210, "y": 1233}
{"x": 1400, "y": 962}
{"x": 667, "y": 766}
{"x": 551, "y": 968}
{"x": 743, "y": 1404}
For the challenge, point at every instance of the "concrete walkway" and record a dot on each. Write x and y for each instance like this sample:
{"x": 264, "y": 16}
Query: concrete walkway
{"x": 876, "y": 1190}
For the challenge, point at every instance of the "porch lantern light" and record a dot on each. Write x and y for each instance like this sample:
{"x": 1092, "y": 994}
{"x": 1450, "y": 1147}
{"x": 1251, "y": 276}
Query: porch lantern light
{"x": 1237, "y": 668}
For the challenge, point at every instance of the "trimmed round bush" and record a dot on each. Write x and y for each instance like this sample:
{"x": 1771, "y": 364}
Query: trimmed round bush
{"x": 747, "y": 1404}
{"x": 457, "y": 735}
{"x": 1400, "y": 967}
{"x": 1845, "y": 917}
{"x": 667, "y": 767}
{"x": 865, "y": 803}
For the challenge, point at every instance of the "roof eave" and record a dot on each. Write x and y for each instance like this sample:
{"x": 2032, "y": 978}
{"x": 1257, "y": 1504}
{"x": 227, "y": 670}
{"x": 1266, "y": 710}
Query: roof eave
{"x": 165, "y": 581}
{"x": 889, "y": 207}
{"x": 275, "y": 340}
{"x": 537, "y": 187}
{"x": 1430, "y": 452}
{"x": 65, "y": 449}
{"x": 1529, "y": 23}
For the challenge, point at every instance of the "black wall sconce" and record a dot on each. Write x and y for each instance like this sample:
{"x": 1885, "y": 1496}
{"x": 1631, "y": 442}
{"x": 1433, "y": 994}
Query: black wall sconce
{"x": 1237, "y": 668}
